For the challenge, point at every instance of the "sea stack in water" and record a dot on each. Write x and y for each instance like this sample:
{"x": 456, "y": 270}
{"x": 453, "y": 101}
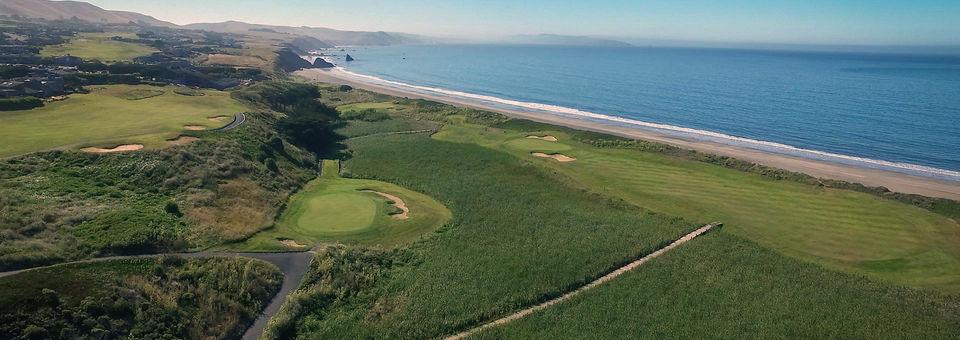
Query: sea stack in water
{"x": 320, "y": 63}
{"x": 349, "y": 58}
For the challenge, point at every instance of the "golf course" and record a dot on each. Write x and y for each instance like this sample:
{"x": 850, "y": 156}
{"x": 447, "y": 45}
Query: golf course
{"x": 332, "y": 209}
{"x": 100, "y": 46}
{"x": 832, "y": 256}
{"x": 112, "y": 115}
{"x": 844, "y": 230}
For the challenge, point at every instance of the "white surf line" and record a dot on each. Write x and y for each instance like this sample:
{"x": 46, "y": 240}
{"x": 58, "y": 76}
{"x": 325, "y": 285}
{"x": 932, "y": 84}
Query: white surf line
{"x": 612, "y": 275}
{"x": 768, "y": 146}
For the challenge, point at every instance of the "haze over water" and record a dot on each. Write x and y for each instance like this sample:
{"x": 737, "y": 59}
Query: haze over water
{"x": 890, "y": 108}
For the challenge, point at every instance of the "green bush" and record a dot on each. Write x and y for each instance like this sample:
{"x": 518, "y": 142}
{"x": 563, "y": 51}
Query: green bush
{"x": 367, "y": 115}
{"x": 19, "y": 103}
{"x": 161, "y": 298}
{"x": 133, "y": 230}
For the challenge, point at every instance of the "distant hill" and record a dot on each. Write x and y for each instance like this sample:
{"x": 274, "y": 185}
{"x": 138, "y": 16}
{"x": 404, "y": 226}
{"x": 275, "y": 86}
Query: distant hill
{"x": 564, "y": 40}
{"x": 303, "y": 44}
{"x": 328, "y": 35}
{"x": 55, "y": 10}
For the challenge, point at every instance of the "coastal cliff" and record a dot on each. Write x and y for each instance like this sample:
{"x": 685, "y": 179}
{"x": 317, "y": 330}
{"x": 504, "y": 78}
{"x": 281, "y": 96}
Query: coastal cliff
{"x": 288, "y": 61}
{"x": 320, "y": 63}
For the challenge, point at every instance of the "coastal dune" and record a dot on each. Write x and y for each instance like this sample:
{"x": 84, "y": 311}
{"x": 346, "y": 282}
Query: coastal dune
{"x": 893, "y": 180}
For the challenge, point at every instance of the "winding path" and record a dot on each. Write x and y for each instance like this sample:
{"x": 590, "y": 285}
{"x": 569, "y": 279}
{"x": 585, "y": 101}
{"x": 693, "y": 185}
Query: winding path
{"x": 293, "y": 266}
{"x": 603, "y": 279}
{"x": 238, "y": 119}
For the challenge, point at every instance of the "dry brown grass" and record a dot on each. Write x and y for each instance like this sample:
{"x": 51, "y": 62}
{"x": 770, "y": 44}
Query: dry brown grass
{"x": 238, "y": 208}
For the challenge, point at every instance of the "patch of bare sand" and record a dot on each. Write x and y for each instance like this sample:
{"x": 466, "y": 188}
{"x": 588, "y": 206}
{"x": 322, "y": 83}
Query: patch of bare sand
{"x": 218, "y": 118}
{"x": 557, "y": 157}
{"x": 291, "y": 243}
{"x": 194, "y": 127}
{"x": 546, "y": 138}
{"x": 182, "y": 140}
{"x": 118, "y": 148}
{"x": 396, "y": 202}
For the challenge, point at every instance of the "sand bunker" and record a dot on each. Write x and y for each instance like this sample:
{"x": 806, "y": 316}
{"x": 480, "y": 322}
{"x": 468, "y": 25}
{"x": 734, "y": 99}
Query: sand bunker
{"x": 218, "y": 118}
{"x": 558, "y": 157}
{"x": 181, "y": 140}
{"x": 291, "y": 243}
{"x": 396, "y": 202}
{"x": 119, "y": 148}
{"x": 194, "y": 127}
{"x": 546, "y": 138}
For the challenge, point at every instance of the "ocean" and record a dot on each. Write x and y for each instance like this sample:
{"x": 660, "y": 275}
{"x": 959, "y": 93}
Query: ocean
{"x": 894, "y": 112}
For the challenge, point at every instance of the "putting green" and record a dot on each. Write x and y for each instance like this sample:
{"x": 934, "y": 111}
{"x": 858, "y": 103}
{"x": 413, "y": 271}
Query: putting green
{"x": 333, "y": 212}
{"x": 536, "y": 145}
{"x": 331, "y": 209}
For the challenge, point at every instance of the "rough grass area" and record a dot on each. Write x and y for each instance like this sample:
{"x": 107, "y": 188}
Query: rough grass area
{"x": 335, "y": 209}
{"x": 59, "y": 206}
{"x": 841, "y": 229}
{"x": 237, "y": 60}
{"x": 139, "y": 299}
{"x": 109, "y": 116}
{"x": 99, "y": 46}
{"x": 724, "y": 287}
{"x": 519, "y": 235}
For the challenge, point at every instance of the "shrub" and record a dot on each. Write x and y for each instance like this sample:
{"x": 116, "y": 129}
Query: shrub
{"x": 172, "y": 208}
{"x": 272, "y": 164}
{"x": 19, "y": 103}
{"x": 367, "y": 115}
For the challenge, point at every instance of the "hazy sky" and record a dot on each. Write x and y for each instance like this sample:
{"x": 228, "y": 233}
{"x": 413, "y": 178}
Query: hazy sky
{"x": 883, "y": 22}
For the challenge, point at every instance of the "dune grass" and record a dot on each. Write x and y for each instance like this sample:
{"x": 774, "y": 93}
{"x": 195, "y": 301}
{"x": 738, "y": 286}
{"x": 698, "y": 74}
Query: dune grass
{"x": 158, "y": 298}
{"x": 845, "y": 230}
{"x": 724, "y": 287}
{"x": 519, "y": 235}
{"x": 332, "y": 209}
{"x": 111, "y": 115}
{"x": 99, "y": 46}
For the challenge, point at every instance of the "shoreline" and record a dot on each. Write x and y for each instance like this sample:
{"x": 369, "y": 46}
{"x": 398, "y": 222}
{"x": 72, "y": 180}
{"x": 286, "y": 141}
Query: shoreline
{"x": 895, "y": 181}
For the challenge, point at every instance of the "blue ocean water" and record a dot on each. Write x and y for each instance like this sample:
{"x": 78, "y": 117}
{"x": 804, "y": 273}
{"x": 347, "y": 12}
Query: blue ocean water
{"x": 889, "y": 108}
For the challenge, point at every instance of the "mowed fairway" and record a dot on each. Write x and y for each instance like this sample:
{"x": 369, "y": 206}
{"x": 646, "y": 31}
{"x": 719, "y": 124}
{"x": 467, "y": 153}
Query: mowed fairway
{"x": 109, "y": 116}
{"x": 334, "y": 209}
{"x": 100, "y": 46}
{"x": 841, "y": 229}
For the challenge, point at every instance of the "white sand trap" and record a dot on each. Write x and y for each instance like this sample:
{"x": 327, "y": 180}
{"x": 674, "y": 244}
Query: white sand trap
{"x": 546, "y": 138}
{"x": 218, "y": 118}
{"x": 181, "y": 140}
{"x": 558, "y": 157}
{"x": 194, "y": 127}
{"x": 396, "y": 202}
{"x": 119, "y": 148}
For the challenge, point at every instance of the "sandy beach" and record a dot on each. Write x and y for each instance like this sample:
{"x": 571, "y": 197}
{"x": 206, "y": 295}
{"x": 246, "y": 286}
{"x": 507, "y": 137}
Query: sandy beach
{"x": 895, "y": 181}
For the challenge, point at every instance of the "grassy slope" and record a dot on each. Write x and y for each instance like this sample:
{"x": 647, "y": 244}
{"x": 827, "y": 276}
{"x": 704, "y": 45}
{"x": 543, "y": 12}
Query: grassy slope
{"x": 58, "y": 206}
{"x": 519, "y": 235}
{"x": 721, "y": 286}
{"x": 105, "y": 118}
{"x": 195, "y": 298}
{"x": 335, "y": 209}
{"x": 841, "y": 229}
{"x": 99, "y": 46}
